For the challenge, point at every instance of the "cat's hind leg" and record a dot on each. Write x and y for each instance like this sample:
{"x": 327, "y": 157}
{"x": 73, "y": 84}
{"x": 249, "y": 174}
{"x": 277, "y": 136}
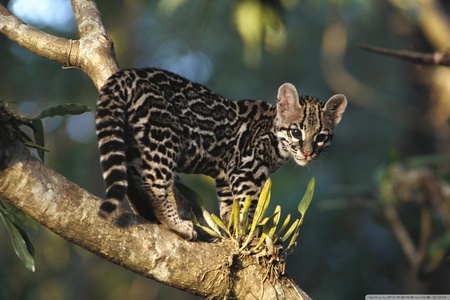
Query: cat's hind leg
{"x": 164, "y": 202}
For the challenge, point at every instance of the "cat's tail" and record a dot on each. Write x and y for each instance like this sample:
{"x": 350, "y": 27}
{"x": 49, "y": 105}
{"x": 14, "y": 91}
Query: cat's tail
{"x": 110, "y": 123}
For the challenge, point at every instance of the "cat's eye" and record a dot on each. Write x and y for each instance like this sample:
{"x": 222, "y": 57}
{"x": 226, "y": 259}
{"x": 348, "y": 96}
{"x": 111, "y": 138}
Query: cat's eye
{"x": 296, "y": 134}
{"x": 320, "y": 138}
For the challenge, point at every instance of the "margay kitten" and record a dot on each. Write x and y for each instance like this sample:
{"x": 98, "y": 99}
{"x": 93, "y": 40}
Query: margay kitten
{"x": 152, "y": 123}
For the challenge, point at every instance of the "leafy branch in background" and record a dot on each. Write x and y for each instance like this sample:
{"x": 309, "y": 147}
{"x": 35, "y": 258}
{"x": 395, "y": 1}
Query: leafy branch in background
{"x": 412, "y": 197}
{"x": 14, "y": 220}
{"x": 419, "y": 187}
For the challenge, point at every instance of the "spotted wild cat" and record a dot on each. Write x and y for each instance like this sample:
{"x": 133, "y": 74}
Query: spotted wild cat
{"x": 152, "y": 123}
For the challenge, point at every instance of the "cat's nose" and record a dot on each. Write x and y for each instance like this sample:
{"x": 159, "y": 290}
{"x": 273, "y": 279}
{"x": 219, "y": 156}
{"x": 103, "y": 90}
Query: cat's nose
{"x": 306, "y": 153}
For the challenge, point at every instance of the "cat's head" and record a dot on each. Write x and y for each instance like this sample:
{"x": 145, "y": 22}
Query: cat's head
{"x": 304, "y": 124}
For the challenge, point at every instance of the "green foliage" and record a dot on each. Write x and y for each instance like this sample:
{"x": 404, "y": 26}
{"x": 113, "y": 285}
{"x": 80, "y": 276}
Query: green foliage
{"x": 35, "y": 123}
{"x": 15, "y": 222}
{"x": 265, "y": 234}
{"x": 437, "y": 252}
{"x": 63, "y": 110}
{"x": 38, "y": 129}
{"x": 412, "y": 192}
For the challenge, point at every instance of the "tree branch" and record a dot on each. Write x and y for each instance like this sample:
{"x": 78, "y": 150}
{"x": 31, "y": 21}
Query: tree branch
{"x": 35, "y": 40}
{"x": 216, "y": 270}
{"x": 437, "y": 58}
{"x": 96, "y": 56}
{"x": 87, "y": 17}
{"x": 93, "y": 52}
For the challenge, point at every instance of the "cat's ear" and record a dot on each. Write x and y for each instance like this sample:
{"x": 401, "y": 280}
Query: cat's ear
{"x": 335, "y": 107}
{"x": 288, "y": 107}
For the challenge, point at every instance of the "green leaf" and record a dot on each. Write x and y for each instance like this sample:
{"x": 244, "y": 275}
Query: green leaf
{"x": 271, "y": 223}
{"x": 210, "y": 222}
{"x": 290, "y": 230}
{"x": 263, "y": 203}
{"x": 261, "y": 240}
{"x": 275, "y": 221}
{"x": 302, "y": 207}
{"x": 39, "y": 137}
{"x": 38, "y": 143}
{"x": 245, "y": 210}
{"x": 235, "y": 216}
{"x": 17, "y": 216}
{"x": 269, "y": 228}
{"x": 282, "y": 229}
{"x": 261, "y": 208}
{"x": 63, "y": 110}
{"x": 306, "y": 200}
{"x": 204, "y": 228}
{"x": 20, "y": 241}
{"x": 293, "y": 240}
{"x": 220, "y": 223}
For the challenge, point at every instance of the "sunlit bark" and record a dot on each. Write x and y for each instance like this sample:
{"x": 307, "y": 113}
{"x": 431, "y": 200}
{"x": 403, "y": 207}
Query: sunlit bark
{"x": 93, "y": 52}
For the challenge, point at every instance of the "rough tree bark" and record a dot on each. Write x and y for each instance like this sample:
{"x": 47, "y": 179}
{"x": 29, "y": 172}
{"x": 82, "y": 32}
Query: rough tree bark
{"x": 216, "y": 270}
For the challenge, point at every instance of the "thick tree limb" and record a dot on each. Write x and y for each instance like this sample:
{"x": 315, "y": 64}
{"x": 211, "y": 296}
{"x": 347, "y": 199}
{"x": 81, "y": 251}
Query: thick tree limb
{"x": 37, "y": 41}
{"x": 213, "y": 270}
{"x": 93, "y": 52}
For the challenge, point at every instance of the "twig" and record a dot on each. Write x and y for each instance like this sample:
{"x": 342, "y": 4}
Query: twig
{"x": 402, "y": 236}
{"x": 437, "y": 58}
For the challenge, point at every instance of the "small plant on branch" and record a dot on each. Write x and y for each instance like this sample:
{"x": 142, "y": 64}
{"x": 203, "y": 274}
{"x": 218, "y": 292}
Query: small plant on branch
{"x": 265, "y": 235}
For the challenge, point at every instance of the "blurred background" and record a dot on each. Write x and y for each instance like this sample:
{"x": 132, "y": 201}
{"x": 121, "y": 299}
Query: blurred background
{"x": 379, "y": 221}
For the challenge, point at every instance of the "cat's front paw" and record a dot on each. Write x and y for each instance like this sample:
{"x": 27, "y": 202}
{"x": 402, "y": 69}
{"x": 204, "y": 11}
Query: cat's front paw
{"x": 185, "y": 229}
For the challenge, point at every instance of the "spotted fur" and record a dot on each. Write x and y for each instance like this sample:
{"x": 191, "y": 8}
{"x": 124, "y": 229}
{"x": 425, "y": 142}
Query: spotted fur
{"x": 152, "y": 123}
